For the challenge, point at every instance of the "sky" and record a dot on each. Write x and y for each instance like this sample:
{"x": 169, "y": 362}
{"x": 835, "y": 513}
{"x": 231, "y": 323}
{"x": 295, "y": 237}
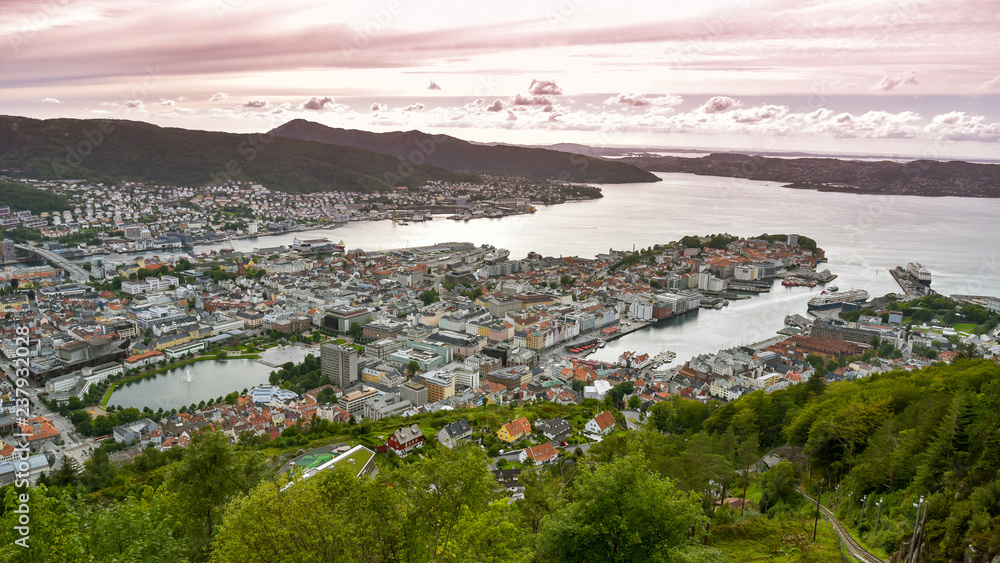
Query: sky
{"x": 908, "y": 77}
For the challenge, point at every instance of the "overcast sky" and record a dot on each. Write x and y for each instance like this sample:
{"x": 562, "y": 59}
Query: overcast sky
{"x": 915, "y": 77}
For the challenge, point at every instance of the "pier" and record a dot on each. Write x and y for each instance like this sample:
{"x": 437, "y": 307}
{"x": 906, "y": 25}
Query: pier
{"x": 664, "y": 357}
{"x": 750, "y": 286}
{"x": 628, "y": 329}
{"x": 911, "y": 287}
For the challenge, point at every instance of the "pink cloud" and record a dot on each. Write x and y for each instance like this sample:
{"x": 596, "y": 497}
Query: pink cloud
{"x": 544, "y": 88}
{"x": 718, "y": 104}
{"x": 890, "y": 82}
{"x": 639, "y": 100}
{"x": 317, "y": 104}
{"x": 523, "y": 100}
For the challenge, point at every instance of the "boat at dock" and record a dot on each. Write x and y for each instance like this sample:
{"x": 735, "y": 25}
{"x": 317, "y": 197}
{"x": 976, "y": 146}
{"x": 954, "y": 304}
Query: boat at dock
{"x": 496, "y": 256}
{"x": 919, "y": 272}
{"x": 833, "y": 300}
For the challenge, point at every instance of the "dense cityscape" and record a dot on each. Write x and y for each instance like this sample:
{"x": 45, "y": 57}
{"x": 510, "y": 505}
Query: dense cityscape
{"x": 563, "y": 281}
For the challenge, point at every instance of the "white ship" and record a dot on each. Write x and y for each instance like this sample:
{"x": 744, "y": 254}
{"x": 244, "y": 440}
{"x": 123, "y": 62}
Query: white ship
{"x": 831, "y": 300}
{"x": 919, "y": 272}
{"x": 496, "y": 255}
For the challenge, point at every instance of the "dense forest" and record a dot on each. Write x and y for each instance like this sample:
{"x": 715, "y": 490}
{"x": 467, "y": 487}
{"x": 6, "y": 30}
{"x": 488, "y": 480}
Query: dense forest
{"x": 650, "y": 495}
{"x": 22, "y": 197}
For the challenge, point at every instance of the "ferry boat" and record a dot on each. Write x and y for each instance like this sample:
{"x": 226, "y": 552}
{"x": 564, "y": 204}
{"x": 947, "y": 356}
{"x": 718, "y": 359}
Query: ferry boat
{"x": 307, "y": 245}
{"x": 919, "y": 272}
{"x": 833, "y": 300}
{"x": 496, "y": 256}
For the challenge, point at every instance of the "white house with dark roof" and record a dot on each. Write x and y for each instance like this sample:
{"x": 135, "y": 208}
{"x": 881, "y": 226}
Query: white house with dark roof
{"x": 451, "y": 434}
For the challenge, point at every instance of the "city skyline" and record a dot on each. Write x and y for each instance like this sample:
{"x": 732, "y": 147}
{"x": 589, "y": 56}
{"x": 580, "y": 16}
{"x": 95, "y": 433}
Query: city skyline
{"x": 916, "y": 77}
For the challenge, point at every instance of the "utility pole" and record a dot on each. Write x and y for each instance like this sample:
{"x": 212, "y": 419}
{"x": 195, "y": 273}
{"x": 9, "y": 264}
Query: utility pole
{"x": 819, "y": 498}
{"x": 879, "y": 517}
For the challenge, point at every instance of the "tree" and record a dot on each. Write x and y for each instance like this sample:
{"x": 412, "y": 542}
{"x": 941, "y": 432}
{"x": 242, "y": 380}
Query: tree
{"x": 815, "y": 384}
{"x": 143, "y": 527}
{"x": 412, "y": 368}
{"x": 634, "y": 402}
{"x": 816, "y": 361}
{"x": 211, "y": 474}
{"x": 607, "y": 520}
{"x": 618, "y": 392}
{"x": 429, "y": 296}
{"x": 440, "y": 490}
{"x": 356, "y": 331}
{"x": 778, "y": 484}
{"x": 578, "y": 385}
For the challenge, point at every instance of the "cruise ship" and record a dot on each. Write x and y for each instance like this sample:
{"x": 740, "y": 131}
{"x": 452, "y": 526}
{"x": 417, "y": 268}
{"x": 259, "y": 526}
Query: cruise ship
{"x": 832, "y": 300}
{"x": 496, "y": 256}
{"x": 919, "y": 272}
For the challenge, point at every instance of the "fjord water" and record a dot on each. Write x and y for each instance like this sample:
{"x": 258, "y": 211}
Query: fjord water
{"x": 864, "y": 237}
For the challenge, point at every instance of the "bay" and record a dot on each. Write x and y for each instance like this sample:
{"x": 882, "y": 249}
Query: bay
{"x": 864, "y": 236}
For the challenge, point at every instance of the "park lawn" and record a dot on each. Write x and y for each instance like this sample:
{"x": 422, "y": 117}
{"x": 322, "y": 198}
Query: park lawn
{"x": 786, "y": 540}
{"x": 964, "y": 327}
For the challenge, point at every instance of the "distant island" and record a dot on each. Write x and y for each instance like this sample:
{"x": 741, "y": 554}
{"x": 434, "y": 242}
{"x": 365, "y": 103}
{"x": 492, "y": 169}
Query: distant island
{"x": 918, "y": 177}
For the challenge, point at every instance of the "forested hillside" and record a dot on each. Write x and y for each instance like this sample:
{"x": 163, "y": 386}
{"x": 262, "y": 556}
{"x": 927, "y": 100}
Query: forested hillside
{"x": 636, "y": 496}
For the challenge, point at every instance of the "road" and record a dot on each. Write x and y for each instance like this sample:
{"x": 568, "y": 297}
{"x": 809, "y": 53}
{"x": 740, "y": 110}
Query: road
{"x": 75, "y": 445}
{"x": 852, "y": 545}
{"x": 633, "y": 419}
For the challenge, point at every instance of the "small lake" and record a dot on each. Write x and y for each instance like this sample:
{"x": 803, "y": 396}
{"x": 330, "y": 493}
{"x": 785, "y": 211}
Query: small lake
{"x": 209, "y": 379}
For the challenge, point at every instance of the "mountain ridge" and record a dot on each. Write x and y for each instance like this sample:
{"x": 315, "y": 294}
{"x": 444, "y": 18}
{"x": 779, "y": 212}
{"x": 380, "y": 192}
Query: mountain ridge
{"x": 456, "y": 154}
{"x": 122, "y": 150}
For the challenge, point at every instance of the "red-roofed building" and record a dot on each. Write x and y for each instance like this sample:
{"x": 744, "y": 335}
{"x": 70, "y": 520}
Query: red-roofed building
{"x": 540, "y": 454}
{"x": 145, "y": 358}
{"x": 601, "y": 425}
{"x": 39, "y": 430}
{"x": 514, "y": 430}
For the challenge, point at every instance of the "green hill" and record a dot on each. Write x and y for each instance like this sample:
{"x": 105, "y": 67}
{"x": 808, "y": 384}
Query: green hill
{"x": 21, "y": 197}
{"x": 113, "y": 150}
{"x": 635, "y": 496}
{"x": 456, "y": 154}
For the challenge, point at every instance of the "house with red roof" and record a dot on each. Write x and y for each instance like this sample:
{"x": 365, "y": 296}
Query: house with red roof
{"x": 601, "y": 425}
{"x": 540, "y": 454}
{"x": 514, "y": 430}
